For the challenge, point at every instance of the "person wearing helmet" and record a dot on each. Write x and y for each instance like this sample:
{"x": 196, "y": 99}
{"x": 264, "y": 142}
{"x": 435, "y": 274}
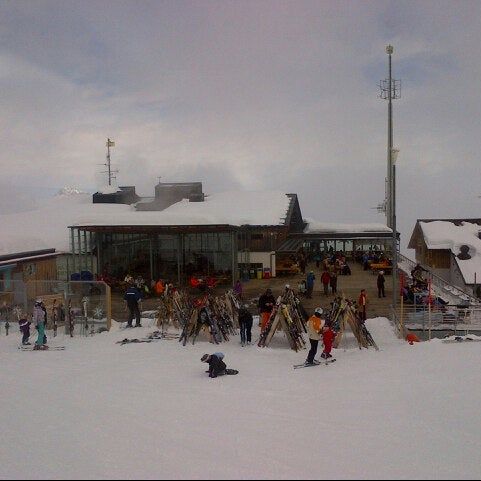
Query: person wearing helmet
{"x": 216, "y": 364}
{"x": 328, "y": 336}
{"x": 39, "y": 318}
{"x": 266, "y": 305}
{"x": 315, "y": 325}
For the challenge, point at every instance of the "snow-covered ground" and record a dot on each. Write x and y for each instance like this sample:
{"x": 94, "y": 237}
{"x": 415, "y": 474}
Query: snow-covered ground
{"x": 102, "y": 410}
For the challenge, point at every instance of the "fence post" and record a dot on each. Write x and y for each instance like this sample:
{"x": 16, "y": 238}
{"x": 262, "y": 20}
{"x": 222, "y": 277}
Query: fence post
{"x": 401, "y": 322}
{"x": 429, "y": 314}
{"x": 108, "y": 294}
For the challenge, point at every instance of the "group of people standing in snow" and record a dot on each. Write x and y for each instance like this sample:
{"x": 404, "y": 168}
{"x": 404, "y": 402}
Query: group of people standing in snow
{"x": 318, "y": 327}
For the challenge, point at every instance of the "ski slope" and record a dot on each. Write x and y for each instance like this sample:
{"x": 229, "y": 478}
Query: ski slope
{"x": 100, "y": 410}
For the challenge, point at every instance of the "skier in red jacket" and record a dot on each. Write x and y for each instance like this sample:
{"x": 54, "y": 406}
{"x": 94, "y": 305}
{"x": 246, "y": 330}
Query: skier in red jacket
{"x": 328, "y": 336}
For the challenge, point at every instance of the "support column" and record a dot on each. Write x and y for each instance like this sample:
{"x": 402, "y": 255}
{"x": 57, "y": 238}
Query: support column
{"x": 72, "y": 250}
{"x": 180, "y": 251}
{"x": 97, "y": 239}
{"x": 85, "y": 255}
{"x": 79, "y": 244}
{"x": 233, "y": 237}
{"x": 91, "y": 253}
{"x": 151, "y": 259}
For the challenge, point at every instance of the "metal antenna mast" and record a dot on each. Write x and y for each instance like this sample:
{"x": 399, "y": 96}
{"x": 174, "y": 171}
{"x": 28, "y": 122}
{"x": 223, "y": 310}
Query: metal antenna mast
{"x": 391, "y": 90}
{"x": 110, "y": 172}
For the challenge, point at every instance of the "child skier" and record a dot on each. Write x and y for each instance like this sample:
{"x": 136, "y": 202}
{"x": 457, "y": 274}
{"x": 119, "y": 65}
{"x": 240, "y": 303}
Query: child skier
{"x": 328, "y": 336}
{"x": 24, "y": 325}
{"x": 217, "y": 366}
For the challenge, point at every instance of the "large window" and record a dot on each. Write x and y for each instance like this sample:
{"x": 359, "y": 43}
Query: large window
{"x": 207, "y": 254}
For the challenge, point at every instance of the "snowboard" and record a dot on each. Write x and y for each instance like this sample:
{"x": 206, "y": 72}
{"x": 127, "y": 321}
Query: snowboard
{"x": 231, "y": 372}
{"x": 323, "y": 362}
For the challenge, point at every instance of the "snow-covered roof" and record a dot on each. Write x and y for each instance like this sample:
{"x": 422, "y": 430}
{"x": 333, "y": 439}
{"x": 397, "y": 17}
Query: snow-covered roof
{"x": 315, "y": 227}
{"x": 109, "y": 189}
{"x": 28, "y": 258}
{"x": 226, "y": 208}
{"x": 449, "y": 236}
{"x": 47, "y": 226}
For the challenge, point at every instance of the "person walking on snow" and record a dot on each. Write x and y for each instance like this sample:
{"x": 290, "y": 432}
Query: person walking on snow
{"x": 39, "y": 318}
{"x": 314, "y": 329}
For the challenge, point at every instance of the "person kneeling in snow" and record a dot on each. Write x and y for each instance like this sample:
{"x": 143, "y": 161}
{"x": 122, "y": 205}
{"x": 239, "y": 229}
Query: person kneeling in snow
{"x": 217, "y": 366}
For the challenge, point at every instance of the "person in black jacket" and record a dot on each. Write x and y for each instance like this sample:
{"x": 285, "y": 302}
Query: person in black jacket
{"x": 245, "y": 324}
{"x": 133, "y": 298}
{"x": 217, "y": 366}
{"x": 266, "y": 304}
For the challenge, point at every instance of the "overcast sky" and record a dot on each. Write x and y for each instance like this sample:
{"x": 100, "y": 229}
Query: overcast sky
{"x": 246, "y": 95}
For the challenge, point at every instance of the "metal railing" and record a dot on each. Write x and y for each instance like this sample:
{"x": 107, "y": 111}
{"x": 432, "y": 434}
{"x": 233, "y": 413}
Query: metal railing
{"x": 435, "y": 320}
{"x": 440, "y": 285}
{"x": 86, "y": 304}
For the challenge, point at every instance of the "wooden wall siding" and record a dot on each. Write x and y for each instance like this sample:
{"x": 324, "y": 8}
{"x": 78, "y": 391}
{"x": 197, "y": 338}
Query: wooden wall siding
{"x": 261, "y": 240}
{"x": 44, "y": 270}
{"x": 40, "y": 270}
{"x": 438, "y": 259}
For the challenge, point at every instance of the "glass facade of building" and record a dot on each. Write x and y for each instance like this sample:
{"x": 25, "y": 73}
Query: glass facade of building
{"x": 173, "y": 257}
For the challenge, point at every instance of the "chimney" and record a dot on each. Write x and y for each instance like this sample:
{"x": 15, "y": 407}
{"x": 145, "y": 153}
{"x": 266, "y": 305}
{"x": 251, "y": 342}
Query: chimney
{"x": 197, "y": 197}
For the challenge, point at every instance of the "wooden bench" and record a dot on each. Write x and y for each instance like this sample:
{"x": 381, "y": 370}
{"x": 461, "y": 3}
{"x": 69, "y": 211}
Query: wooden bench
{"x": 287, "y": 270}
{"x": 380, "y": 267}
